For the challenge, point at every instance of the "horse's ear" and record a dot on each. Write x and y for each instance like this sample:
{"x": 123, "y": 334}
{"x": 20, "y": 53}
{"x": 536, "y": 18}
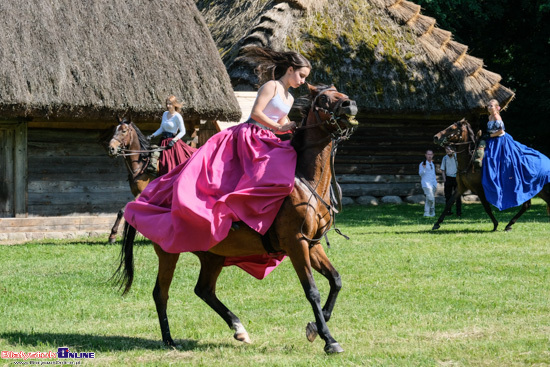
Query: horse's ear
{"x": 118, "y": 119}
{"x": 312, "y": 89}
{"x": 128, "y": 119}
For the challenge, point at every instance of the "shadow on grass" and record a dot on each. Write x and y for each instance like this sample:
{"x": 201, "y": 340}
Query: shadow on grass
{"x": 96, "y": 343}
{"x": 93, "y": 241}
{"x": 412, "y": 214}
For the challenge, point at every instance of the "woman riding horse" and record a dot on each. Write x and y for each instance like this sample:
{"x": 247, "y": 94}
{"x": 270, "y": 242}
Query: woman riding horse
{"x": 461, "y": 137}
{"x": 140, "y": 159}
{"x": 512, "y": 172}
{"x": 172, "y": 130}
{"x": 300, "y": 219}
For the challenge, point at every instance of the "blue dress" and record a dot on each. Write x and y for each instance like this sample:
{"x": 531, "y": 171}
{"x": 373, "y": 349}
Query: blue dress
{"x": 512, "y": 172}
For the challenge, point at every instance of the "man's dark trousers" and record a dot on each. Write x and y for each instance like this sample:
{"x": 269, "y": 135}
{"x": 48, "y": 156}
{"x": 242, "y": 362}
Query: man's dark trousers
{"x": 450, "y": 188}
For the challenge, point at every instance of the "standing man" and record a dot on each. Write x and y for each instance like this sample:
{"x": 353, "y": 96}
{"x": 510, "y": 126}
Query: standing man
{"x": 426, "y": 170}
{"x": 449, "y": 167}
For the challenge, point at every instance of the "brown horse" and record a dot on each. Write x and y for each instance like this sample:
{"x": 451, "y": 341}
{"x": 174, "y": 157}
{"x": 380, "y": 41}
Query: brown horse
{"x": 305, "y": 216}
{"x": 129, "y": 142}
{"x": 461, "y": 137}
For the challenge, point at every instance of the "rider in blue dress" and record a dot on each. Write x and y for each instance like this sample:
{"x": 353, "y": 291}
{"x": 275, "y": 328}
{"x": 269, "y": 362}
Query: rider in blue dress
{"x": 512, "y": 172}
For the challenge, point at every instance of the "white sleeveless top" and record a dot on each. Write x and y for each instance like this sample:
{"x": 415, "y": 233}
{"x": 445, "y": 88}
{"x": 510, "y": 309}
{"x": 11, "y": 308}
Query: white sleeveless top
{"x": 276, "y": 108}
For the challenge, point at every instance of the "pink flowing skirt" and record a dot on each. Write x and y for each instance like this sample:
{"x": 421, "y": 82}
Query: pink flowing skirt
{"x": 172, "y": 157}
{"x": 242, "y": 173}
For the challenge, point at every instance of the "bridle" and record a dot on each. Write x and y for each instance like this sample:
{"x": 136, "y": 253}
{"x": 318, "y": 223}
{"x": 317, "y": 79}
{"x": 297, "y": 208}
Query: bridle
{"x": 468, "y": 143}
{"x": 123, "y": 152}
{"x": 337, "y": 132}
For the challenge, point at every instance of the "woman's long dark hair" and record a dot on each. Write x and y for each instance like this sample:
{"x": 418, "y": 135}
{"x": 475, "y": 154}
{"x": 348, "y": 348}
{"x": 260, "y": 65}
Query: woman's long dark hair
{"x": 273, "y": 64}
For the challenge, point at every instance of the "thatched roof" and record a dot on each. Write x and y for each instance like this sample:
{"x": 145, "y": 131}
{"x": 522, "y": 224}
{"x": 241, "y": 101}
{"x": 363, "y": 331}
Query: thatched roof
{"x": 88, "y": 60}
{"x": 384, "y": 53}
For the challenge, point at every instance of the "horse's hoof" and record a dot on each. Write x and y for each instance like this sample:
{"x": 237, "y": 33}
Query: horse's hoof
{"x": 333, "y": 348}
{"x": 311, "y": 331}
{"x": 507, "y": 229}
{"x": 436, "y": 226}
{"x": 240, "y": 333}
{"x": 243, "y": 337}
{"x": 112, "y": 240}
{"x": 169, "y": 343}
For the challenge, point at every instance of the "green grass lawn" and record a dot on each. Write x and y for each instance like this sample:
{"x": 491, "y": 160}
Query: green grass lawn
{"x": 459, "y": 296}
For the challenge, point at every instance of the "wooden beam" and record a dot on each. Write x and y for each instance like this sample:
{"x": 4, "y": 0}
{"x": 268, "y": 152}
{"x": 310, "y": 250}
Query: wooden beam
{"x": 20, "y": 170}
{"x": 147, "y": 126}
{"x": 206, "y": 131}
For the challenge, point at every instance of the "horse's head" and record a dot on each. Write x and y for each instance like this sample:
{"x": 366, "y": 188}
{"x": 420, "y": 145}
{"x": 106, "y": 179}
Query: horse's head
{"x": 334, "y": 111}
{"x": 122, "y": 138}
{"x": 459, "y": 132}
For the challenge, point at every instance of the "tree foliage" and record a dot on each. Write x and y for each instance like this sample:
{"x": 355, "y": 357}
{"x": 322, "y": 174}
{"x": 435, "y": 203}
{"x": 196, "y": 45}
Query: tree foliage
{"x": 513, "y": 39}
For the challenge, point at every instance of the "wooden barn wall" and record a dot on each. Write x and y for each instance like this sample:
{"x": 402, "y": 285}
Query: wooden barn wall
{"x": 70, "y": 173}
{"x": 382, "y": 156}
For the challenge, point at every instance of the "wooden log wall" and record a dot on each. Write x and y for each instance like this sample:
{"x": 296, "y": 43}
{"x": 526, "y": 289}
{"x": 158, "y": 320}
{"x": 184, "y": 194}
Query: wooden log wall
{"x": 70, "y": 173}
{"x": 382, "y": 156}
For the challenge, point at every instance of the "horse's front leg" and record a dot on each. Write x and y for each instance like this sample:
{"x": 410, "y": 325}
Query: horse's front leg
{"x": 448, "y": 206}
{"x": 114, "y": 230}
{"x": 523, "y": 209}
{"x": 167, "y": 265}
{"x": 321, "y": 263}
{"x": 299, "y": 255}
{"x": 211, "y": 267}
{"x": 488, "y": 210}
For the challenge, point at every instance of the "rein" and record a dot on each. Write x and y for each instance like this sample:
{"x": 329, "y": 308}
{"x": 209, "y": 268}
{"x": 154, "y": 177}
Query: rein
{"x": 335, "y": 136}
{"x": 128, "y": 152}
{"x": 336, "y": 194}
{"x": 464, "y": 143}
{"x": 470, "y": 153}
{"x": 136, "y": 173}
{"x": 123, "y": 152}
{"x": 468, "y": 142}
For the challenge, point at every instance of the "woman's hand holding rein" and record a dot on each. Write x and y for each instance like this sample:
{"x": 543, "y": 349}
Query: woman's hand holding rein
{"x": 286, "y": 127}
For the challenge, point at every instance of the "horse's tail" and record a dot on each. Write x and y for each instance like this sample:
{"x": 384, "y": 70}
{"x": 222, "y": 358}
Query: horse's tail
{"x": 124, "y": 275}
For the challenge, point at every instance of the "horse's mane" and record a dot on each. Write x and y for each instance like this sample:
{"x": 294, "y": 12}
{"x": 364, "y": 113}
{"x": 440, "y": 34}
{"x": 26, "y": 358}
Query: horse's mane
{"x": 304, "y": 102}
{"x": 143, "y": 142}
{"x": 471, "y": 134}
